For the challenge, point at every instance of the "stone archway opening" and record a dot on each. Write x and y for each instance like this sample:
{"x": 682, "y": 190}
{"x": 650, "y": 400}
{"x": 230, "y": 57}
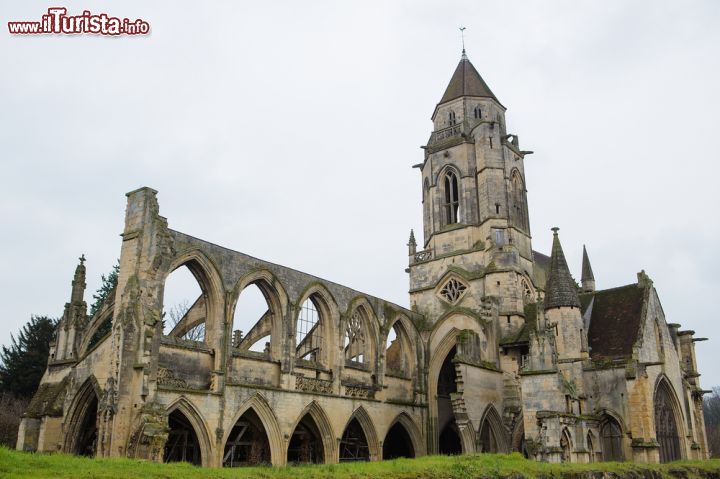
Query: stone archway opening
{"x": 247, "y": 444}
{"x": 450, "y": 442}
{"x": 306, "y": 446}
{"x": 354, "y": 445}
{"x": 182, "y": 444}
{"x": 488, "y": 441}
{"x": 87, "y": 433}
{"x": 398, "y": 443}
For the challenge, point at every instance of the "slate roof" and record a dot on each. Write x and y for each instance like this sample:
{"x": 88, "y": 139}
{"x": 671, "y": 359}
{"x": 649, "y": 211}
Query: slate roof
{"x": 615, "y": 321}
{"x": 561, "y": 289}
{"x": 466, "y": 81}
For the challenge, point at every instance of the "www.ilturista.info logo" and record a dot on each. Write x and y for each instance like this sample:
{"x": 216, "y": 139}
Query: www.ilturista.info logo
{"x": 57, "y": 21}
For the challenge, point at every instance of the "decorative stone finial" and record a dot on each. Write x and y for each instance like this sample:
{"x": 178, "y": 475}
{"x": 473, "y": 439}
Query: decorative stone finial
{"x": 82, "y": 259}
{"x": 555, "y": 230}
{"x": 412, "y": 244}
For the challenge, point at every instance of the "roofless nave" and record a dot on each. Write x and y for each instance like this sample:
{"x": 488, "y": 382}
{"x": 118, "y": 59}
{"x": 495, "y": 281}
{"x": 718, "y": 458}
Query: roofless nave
{"x": 500, "y": 351}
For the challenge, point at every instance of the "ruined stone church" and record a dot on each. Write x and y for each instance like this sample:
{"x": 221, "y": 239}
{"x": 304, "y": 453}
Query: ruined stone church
{"x": 501, "y": 350}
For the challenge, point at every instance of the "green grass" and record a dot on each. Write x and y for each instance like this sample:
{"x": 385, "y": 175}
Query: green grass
{"x": 14, "y": 464}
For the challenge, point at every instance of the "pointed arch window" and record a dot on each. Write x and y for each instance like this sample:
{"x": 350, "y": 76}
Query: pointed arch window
{"x": 519, "y": 212}
{"x": 478, "y": 113}
{"x": 309, "y": 332}
{"x": 356, "y": 338}
{"x": 399, "y": 352}
{"x": 451, "y": 204}
{"x": 451, "y": 118}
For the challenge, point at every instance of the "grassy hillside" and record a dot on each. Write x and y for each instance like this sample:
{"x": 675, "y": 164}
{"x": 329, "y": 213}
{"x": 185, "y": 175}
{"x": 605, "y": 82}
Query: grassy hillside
{"x": 15, "y": 464}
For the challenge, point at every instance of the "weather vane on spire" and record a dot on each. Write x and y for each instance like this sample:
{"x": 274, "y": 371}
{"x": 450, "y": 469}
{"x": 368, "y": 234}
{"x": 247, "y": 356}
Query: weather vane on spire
{"x": 462, "y": 36}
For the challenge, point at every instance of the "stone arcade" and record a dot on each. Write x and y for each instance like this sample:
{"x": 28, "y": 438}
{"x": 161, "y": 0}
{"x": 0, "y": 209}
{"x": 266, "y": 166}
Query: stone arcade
{"x": 501, "y": 350}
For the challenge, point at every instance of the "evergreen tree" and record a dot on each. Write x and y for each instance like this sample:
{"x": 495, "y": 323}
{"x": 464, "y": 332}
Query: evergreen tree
{"x": 23, "y": 363}
{"x": 108, "y": 284}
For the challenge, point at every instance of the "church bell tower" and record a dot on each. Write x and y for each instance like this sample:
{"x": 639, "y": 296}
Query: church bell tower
{"x": 476, "y": 234}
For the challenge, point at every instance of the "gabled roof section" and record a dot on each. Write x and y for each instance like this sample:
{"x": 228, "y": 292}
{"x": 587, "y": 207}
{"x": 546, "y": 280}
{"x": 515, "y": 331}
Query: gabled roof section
{"x": 466, "y": 81}
{"x": 614, "y": 321}
{"x": 561, "y": 289}
{"x": 541, "y": 269}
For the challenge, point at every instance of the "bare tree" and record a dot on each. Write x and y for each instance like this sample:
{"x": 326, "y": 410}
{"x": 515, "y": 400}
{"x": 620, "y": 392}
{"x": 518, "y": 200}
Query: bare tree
{"x": 176, "y": 313}
{"x": 711, "y": 408}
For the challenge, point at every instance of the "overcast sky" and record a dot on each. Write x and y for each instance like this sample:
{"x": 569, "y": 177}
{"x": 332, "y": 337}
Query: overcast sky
{"x": 287, "y": 130}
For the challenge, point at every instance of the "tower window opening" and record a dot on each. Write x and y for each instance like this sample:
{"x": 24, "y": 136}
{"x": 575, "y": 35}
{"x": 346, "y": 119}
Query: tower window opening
{"x": 451, "y": 118}
{"x": 452, "y": 203}
{"x": 478, "y": 113}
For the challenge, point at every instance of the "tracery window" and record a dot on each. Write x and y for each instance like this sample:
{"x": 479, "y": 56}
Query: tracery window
{"x": 355, "y": 338}
{"x": 453, "y": 290}
{"x": 451, "y": 205}
{"x": 528, "y": 295}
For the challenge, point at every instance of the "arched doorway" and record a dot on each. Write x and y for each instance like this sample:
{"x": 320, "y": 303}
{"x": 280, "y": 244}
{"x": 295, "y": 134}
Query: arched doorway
{"x": 450, "y": 442}
{"x": 82, "y": 435}
{"x": 666, "y": 428}
{"x": 247, "y": 444}
{"x": 488, "y": 441}
{"x": 612, "y": 448}
{"x": 398, "y": 443}
{"x": 354, "y": 444}
{"x": 182, "y": 444}
{"x": 306, "y": 445}
{"x": 86, "y": 443}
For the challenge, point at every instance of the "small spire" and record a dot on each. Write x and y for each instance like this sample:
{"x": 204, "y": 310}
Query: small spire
{"x": 412, "y": 244}
{"x": 462, "y": 35}
{"x": 588, "y": 278}
{"x": 78, "y": 282}
{"x": 560, "y": 289}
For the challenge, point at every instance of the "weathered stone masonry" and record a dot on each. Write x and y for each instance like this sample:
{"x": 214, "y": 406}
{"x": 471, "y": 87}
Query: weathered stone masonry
{"x": 501, "y": 350}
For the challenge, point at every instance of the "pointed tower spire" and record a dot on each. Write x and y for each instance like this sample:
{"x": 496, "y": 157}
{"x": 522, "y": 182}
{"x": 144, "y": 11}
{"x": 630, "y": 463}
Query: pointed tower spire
{"x": 560, "y": 289}
{"x": 588, "y": 278}
{"x": 466, "y": 81}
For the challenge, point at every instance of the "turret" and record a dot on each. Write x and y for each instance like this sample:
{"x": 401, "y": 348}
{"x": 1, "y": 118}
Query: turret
{"x": 562, "y": 306}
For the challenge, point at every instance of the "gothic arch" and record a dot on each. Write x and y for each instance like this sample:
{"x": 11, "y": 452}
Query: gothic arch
{"x": 369, "y": 320}
{"x": 518, "y": 437}
{"x": 518, "y": 198}
{"x": 79, "y": 418}
{"x": 183, "y": 405}
{"x": 669, "y": 430}
{"x": 611, "y": 437}
{"x": 492, "y": 431}
{"x": 450, "y": 195}
{"x": 277, "y": 301}
{"x": 317, "y": 413}
{"x": 409, "y": 341}
{"x": 566, "y": 445}
{"x": 368, "y": 428}
{"x": 329, "y": 317}
{"x": 416, "y": 438}
{"x": 210, "y": 282}
{"x": 259, "y": 405}
{"x": 106, "y": 313}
